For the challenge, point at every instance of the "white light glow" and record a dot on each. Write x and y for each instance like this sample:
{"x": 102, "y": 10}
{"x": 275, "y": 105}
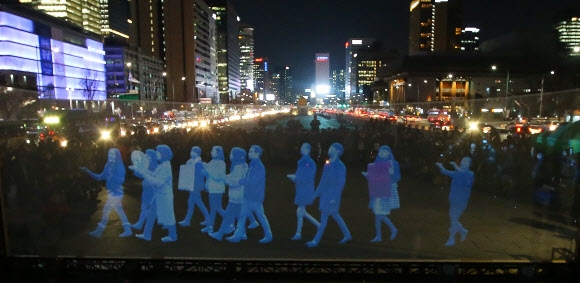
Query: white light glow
{"x": 356, "y": 41}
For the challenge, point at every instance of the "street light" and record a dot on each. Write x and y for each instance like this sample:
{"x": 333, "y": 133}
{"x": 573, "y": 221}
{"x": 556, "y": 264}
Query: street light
{"x": 69, "y": 89}
{"x": 542, "y": 92}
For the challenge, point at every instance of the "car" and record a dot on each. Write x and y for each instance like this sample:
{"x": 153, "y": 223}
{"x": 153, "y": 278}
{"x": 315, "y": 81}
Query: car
{"x": 411, "y": 118}
{"x": 443, "y": 125}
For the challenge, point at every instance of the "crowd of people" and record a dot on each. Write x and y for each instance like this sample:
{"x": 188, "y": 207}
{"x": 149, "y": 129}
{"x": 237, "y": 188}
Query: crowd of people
{"x": 47, "y": 176}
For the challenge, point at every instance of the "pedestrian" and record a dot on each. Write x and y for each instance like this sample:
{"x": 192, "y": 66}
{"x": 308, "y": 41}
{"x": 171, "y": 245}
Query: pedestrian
{"x": 215, "y": 173}
{"x": 304, "y": 182}
{"x": 382, "y": 176}
{"x": 461, "y": 183}
{"x": 114, "y": 176}
{"x": 198, "y": 186}
{"x": 329, "y": 191}
{"x": 148, "y": 190}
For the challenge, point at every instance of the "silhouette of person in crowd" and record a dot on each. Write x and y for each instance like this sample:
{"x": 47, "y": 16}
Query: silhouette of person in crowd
{"x": 304, "y": 180}
{"x": 114, "y": 176}
{"x": 383, "y": 176}
{"x": 238, "y": 171}
{"x": 315, "y": 124}
{"x": 254, "y": 193}
{"x": 198, "y": 187}
{"x": 461, "y": 183}
{"x": 329, "y": 191}
{"x": 148, "y": 190}
{"x": 162, "y": 178}
{"x": 215, "y": 173}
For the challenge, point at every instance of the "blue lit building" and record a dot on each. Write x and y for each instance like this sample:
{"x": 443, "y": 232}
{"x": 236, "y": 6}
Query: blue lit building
{"x": 59, "y": 59}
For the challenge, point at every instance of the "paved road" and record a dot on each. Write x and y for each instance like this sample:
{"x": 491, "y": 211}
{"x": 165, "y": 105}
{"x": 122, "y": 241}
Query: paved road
{"x": 499, "y": 229}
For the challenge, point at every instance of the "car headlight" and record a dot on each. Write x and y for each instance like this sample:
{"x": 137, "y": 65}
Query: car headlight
{"x": 473, "y": 126}
{"x": 105, "y": 135}
{"x": 64, "y": 143}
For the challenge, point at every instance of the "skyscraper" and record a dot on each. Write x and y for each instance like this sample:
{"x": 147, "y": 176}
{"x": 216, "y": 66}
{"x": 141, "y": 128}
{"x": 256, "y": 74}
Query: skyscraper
{"x": 435, "y": 26}
{"x": 567, "y": 26}
{"x": 247, "y": 57}
{"x": 353, "y": 46}
{"x": 115, "y": 17}
{"x": 206, "y": 74}
{"x": 84, "y": 13}
{"x": 286, "y": 85}
{"x": 322, "y": 74}
{"x": 228, "y": 46}
{"x": 470, "y": 39}
{"x": 261, "y": 76}
{"x": 146, "y": 29}
{"x": 338, "y": 82}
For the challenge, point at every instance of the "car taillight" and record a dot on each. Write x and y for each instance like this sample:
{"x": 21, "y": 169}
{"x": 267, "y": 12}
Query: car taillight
{"x": 518, "y": 129}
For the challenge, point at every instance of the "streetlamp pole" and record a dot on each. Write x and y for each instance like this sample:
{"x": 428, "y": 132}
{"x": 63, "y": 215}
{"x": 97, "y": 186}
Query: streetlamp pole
{"x": 542, "y": 93}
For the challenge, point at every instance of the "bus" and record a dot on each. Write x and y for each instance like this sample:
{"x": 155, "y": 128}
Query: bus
{"x": 438, "y": 115}
{"x": 79, "y": 125}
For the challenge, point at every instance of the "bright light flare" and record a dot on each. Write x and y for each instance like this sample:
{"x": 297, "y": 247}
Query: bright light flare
{"x": 105, "y": 135}
{"x": 473, "y": 126}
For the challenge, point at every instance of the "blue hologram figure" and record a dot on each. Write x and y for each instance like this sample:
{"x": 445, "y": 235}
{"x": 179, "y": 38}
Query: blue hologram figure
{"x": 198, "y": 187}
{"x": 148, "y": 190}
{"x": 238, "y": 171}
{"x": 461, "y": 184}
{"x": 304, "y": 181}
{"x": 382, "y": 176}
{"x": 162, "y": 179}
{"x": 329, "y": 191}
{"x": 114, "y": 176}
{"x": 215, "y": 173}
{"x": 254, "y": 193}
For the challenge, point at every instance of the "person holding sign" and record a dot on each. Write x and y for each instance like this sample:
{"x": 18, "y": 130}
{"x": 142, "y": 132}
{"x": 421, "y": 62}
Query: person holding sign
{"x": 148, "y": 187}
{"x": 304, "y": 180}
{"x": 162, "y": 179}
{"x": 215, "y": 173}
{"x": 330, "y": 192}
{"x": 191, "y": 179}
{"x": 383, "y": 176}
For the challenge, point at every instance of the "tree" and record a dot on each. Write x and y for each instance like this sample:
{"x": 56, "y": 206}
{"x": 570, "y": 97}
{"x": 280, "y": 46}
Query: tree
{"x": 89, "y": 84}
{"x": 13, "y": 101}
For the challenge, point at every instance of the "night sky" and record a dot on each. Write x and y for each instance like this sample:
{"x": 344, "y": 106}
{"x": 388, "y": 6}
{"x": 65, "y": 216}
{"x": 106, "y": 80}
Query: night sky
{"x": 290, "y": 32}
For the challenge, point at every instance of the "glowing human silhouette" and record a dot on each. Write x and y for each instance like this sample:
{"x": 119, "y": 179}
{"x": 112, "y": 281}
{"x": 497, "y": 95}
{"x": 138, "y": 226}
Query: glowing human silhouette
{"x": 215, "y": 173}
{"x": 304, "y": 182}
{"x": 114, "y": 176}
{"x": 329, "y": 191}
{"x": 162, "y": 179}
{"x": 198, "y": 187}
{"x": 254, "y": 193}
{"x": 461, "y": 184}
{"x": 382, "y": 176}
{"x": 238, "y": 171}
{"x": 148, "y": 188}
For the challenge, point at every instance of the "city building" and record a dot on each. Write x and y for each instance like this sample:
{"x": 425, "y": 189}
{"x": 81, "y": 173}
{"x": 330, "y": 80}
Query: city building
{"x": 286, "y": 86}
{"x": 247, "y": 57}
{"x": 338, "y": 82}
{"x": 567, "y": 26}
{"x": 274, "y": 85}
{"x": 146, "y": 30}
{"x": 352, "y": 47}
{"x": 322, "y": 75}
{"x": 435, "y": 26}
{"x": 206, "y": 70}
{"x": 85, "y": 13}
{"x": 115, "y": 18}
{"x": 470, "y": 39}
{"x": 131, "y": 74}
{"x": 261, "y": 76}
{"x": 228, "y": 46}
{"x": 57, "y": 58}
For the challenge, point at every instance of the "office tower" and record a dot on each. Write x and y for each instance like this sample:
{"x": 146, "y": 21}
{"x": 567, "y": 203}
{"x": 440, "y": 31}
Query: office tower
{"x": 146, "y": 28}
{"x": 286, "y": 85}
{"x": 275, "y": 84}
{"x": 58, "y": 59}
{"x": 567, "y": 26}
{"x": 435, "y": 26}
{"x": 353, "y": 46}
{"x": 84, "y": 13}
{"x": 470, "y": 39}
{"x": 206, "y": 73}
{"x": 322, "y": 75}
{"x": 338, "y": 83}
{"x": 227, "y": 22}
{"x": 115, "y": 18}
{"x": 261, "y": 76}
{"x": 247, "y": 57}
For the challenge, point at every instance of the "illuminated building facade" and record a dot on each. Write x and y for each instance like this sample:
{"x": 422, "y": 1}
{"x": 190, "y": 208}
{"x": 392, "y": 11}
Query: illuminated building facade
{"x": 567, "y": 26}
{"x": 261, "y": 76}
{"x": 228, "y": 46}
{"x": 58, "y": 59}
{"x": 322, "y": 74}
{"x": 206, "y": 73}
{"x": 435, "y": 26}
{"x": 84, "y": 13}
{"x": 246, "y": 38}
{"x": 470, "y": 39}
{"x": 115, "y": 18}
{"x": 286, "y": 86}
{"x": 338, "y": 82}
{"x": 353, "y": 47}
